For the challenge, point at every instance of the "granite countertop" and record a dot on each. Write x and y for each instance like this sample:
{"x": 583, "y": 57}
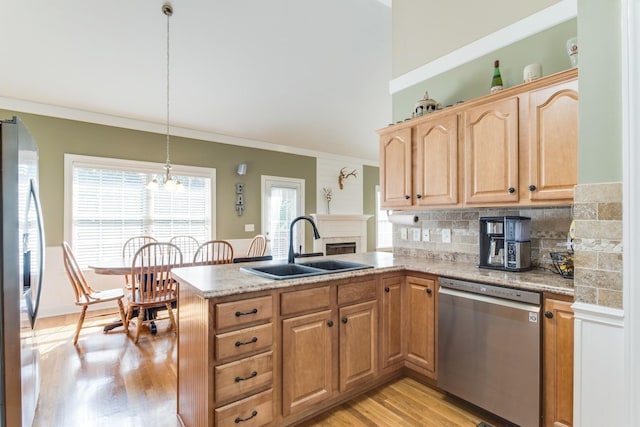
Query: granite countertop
{"x": 227, "y": 279}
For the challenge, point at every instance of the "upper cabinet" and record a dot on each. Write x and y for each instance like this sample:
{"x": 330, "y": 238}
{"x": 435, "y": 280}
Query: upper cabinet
{"x": 552, "y": 142}
{"x": 516, "y": 147}
{"x": 491, "y": 152}
{"x": 395, "y": 165}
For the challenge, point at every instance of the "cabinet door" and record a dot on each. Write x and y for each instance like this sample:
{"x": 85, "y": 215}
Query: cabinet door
{"x": 392, "y": 327}
{"x": 436, "y": 173}
{"x": 306, "y": 361}
{"x": 420, "y": 324}
{"x": 491, "y": 153}
{"x": 358, "y": 344}
{"x": 557, "y": 363}
{"x": 395, "y": 168}
{"x": 553, "y": 142}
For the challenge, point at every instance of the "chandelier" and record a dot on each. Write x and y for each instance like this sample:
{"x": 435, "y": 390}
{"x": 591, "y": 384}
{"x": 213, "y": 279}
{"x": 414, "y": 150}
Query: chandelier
{"x": 170, "y": 182}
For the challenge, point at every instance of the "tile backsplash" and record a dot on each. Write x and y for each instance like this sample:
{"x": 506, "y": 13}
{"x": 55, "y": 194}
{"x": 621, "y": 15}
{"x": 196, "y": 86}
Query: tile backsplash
{"x": 599, "y": 251}
{"x": 549, "y": 227}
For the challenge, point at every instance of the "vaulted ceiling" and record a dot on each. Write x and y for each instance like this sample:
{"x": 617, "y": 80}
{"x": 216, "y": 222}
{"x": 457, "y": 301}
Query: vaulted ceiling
{"x": 303, "y": 76}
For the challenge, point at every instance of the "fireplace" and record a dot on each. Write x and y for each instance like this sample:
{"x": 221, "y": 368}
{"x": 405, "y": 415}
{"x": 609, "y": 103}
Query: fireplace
{"x": 343, "y": 233}
{"x": 340, "y": 248}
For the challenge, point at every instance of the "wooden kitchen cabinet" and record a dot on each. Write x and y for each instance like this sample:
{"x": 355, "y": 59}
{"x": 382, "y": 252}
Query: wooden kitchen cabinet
{"x": 395, "y": 168}
{"x": 436, "y": 161}
{"x": 552, "y": 143}
{"x": 307, "y": 361}
{"x": 358, "y": 344}
{"x": 517, "y": 147}
{"x": 392, "y": 334}
{"x": 491, "y": 152}
{"x": 557, "y": 363}
{"x": 420, "y": 324}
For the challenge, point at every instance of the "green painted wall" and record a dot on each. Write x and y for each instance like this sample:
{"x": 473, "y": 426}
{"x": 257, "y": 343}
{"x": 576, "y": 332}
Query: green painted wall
{"x": 600, "y": 128}
{"x": 371, "y": 178}
{"x": 55, "y": 137}
{"x": 473, "y": 79}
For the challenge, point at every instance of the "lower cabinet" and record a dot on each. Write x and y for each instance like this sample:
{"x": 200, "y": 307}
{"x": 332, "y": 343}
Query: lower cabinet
{"x": 307, "y": 361}
{"x": 392, "y": 333}
{"x": 557, "y": 363}
{"x": 420, "y": 326}
{"x": 358, "y": 344}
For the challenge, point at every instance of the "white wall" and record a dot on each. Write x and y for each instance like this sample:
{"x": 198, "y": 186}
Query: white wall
{"x": 345, "y": 201}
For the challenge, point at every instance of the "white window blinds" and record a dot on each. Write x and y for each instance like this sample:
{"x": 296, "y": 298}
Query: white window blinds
{"x": 110, "y": 204}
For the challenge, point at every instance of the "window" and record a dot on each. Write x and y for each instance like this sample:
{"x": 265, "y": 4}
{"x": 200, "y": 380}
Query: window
{"x": 106, "y": 202}
{"x": 384, "y": 229}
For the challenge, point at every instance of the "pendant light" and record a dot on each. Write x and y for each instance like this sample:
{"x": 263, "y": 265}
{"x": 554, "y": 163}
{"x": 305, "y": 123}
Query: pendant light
{"x": 171, "y": 183}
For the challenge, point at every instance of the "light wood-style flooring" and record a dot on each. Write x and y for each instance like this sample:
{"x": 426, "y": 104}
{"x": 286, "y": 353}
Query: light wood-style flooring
{"x": 107, "y": 380}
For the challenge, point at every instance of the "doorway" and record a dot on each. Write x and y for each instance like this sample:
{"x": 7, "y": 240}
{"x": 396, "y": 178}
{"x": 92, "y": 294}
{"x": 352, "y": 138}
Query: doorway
{"x": 282, "y": 201}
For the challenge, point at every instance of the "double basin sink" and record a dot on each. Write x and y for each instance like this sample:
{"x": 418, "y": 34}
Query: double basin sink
{"x": 304, "y": 269}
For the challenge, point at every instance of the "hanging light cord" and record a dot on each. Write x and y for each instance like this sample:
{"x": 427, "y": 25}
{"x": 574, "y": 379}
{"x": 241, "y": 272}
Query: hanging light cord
{"x": 168, "y": 11}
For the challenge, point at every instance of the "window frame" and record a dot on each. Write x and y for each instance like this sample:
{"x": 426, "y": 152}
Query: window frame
{"x": 78, "y": 160}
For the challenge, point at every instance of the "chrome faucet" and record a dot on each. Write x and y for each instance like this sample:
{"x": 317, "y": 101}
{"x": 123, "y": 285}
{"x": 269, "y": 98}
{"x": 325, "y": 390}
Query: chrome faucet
{"x": 316, "y": 235}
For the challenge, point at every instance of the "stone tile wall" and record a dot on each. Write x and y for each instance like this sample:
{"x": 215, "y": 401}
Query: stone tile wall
{"x": 549, "y": 227}
{"x": 598, "y": 245}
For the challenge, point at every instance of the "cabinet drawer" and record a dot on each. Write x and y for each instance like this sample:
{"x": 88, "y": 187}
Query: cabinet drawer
{"x": 244, "y": 376}
{"x": 253, "y": 411}
{"x": 306, "y": 300}
{"x": 244, "y": 341}
{"x": 357, "y": 291}
{"x": 243, "y": 312}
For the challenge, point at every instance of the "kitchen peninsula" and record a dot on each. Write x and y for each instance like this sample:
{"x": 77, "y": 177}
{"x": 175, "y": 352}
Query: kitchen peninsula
{"x": 262, "y": 352}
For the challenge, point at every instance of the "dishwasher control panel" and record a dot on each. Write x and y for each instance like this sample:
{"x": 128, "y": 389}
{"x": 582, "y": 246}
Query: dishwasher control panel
{"x": 491, "y": 290}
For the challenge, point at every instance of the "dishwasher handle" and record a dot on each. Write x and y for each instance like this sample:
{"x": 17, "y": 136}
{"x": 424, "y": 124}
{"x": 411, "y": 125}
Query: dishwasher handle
{"x": 489, "y": 300}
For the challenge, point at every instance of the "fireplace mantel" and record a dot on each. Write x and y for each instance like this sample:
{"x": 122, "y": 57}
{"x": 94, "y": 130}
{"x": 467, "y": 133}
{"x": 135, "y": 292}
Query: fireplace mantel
{"x": 341, "y": 228}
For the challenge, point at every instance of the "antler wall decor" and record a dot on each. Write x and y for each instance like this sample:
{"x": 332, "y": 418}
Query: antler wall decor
{"x": 344, "y": 176}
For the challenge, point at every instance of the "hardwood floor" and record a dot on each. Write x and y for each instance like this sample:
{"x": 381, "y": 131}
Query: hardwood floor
{"x": 106, "y": 380}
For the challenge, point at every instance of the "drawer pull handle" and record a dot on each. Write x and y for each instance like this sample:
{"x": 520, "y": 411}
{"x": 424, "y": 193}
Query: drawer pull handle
{"x": 246, "y": 313}
{"x": 251, "y": 341}
{"x": 239, "y": 420}
{"x": 252, "y": 375}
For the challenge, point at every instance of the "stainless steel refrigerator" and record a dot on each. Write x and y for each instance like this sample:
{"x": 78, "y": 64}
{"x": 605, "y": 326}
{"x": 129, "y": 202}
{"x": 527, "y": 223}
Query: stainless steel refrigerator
{"x": 21, "y": 267}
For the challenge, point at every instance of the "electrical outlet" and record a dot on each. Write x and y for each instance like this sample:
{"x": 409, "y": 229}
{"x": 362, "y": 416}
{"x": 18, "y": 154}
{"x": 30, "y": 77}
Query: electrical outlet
{"x": 446, "y": 235}
{"x": 415, "y": 234}
{"x": 403, "y": 233}
{"x": 249, "y": 227}
{"x": 426, "y": 236}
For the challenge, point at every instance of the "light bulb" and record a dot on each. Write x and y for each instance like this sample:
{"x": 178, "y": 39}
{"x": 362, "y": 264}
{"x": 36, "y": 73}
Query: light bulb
{"x": 153, "y": 184}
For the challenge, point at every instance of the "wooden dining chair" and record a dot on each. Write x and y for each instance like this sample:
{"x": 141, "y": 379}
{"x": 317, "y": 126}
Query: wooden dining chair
{"x": 84, "y": 294}
{"x": 258, "y": 246}
{"x": 188, "y": 246}
{"x": 152, "y": 285}
{"x": 130, "y": 248}
{"x": 214, "y": 252}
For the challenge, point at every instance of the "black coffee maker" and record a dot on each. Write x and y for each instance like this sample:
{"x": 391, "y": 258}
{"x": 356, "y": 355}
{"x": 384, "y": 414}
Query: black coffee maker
{"x": 505, "y": 243}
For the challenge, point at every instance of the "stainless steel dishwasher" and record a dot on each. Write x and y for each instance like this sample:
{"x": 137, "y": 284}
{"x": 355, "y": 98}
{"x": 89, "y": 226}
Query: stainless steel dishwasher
{"x": 489, "y": 348}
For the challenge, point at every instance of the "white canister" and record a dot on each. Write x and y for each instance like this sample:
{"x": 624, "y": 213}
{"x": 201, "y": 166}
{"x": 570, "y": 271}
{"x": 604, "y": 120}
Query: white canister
{"x": 531, "y": 72}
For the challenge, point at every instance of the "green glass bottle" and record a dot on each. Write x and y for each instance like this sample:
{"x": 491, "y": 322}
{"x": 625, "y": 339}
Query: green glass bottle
{"x": 496, "y": 81}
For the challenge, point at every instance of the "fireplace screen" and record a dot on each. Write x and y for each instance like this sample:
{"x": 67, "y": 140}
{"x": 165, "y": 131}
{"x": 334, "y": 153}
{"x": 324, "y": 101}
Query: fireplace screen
{"x": 340, "y": 248}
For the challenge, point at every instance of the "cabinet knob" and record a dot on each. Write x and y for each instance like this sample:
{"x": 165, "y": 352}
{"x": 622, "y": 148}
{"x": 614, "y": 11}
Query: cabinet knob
{"x": 387, "y": 289}
{"x": 407, "y": 197}
{"x": 330, "y": 323}
{"x": 345, "y": 320}
{"x": 532, "y": 187}
{"x": 548, "y": 314}
{"x": 511, "y": 190}
{"x": 419, "y": 196}
{"x": 429, "y": 291}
